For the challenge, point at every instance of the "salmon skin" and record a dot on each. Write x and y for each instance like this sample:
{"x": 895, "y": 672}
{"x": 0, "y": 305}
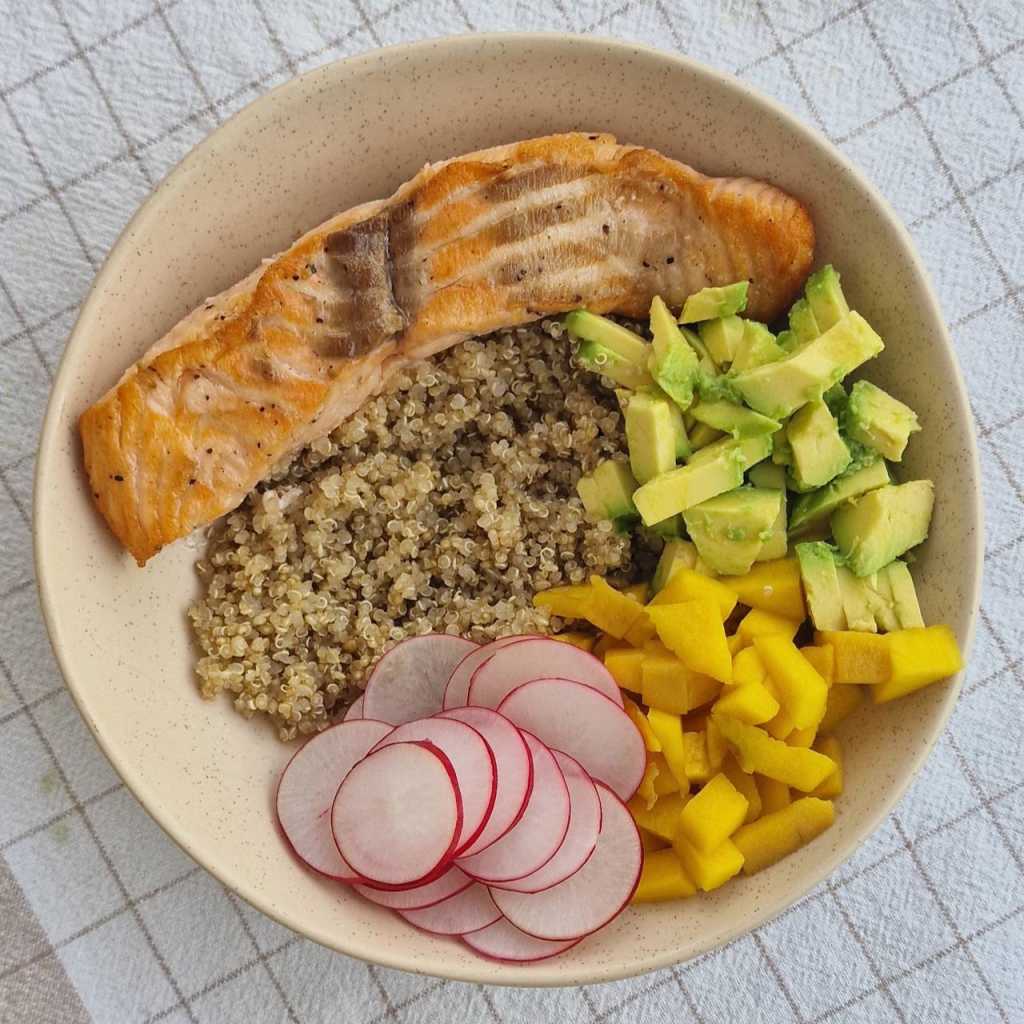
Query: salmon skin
{"x": 488, "y": 240}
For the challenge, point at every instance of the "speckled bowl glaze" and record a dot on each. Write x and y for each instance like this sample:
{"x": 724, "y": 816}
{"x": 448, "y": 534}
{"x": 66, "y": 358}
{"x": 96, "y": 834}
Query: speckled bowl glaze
{"x": 349, "y": 132}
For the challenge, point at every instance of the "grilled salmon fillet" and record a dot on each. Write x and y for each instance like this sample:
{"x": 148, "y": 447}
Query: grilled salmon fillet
{"x": 487, "y": 240}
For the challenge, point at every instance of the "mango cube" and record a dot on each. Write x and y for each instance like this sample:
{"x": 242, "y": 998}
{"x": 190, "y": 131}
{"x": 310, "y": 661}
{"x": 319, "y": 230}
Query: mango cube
{"x": 693, "y": 630}
{"x": 664, "y": 781}
{"x": 669, "y": 730}
{"x": 568, "y": 602}
{"x": 637, "y": 591}
{"x": 802, "y": 737}
{"x": 688, "y": 585}
{"x": 736, "y": 644}
{"x": 746, "y": 784}
{"x": 761, "y": 623}
{"x": 663, "y": 818}
{"x": 824, "y": 661}
{"x": 773, "y": 587}
{"x": 606, "y": 643}
{"x": 802, "y": 692}
{"x": 860, "y": 657}
{"x": 695, "y": 750}
{"x": 774, "y": 795}
{"x": 610, "y": 610}
{"x": 833, "y": 785}
{"x": 663, "y": 878}
{"x": 717, "y": 748}
{"x": 843, "y": 700}
{"x": 666, "y": 683}
{"x": 624, "y": 664}
{"x": 774, "y": 836}
{"x": 710, "y": 817}
{"x": 641, "y": 631}
{"x": 646, "y": 794}
{"x": 650, "y": 843}
{"x": 747, "y": 667}
{"x": 918, "y": 657}
{"x": 749, "y": 702}
{"x": 584, "y": 641}
{"x": 709, "y": 870}
{"x": 639, "y": 719}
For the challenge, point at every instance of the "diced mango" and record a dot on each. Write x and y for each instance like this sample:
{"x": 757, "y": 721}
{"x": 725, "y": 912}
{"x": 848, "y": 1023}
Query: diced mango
{"x": 774, "y": 795}
{"x": 609, "y": 609}
{"x": 802, "y": 692}
{"x": 698, "y": 764}
{"x": 624, "y": 664}
{"x": 638, "y": 592}
{"x": 843, "y": 700}
{"x": 709, "y": 870}
{"x": 688, "y": 585}
{"x": 761, "y": 623}
{"x": 639, "y": 719}
{"x": 918, "y": 657}
{"x": 773, "y": 587}
{"x": 641, "y": 631}
{"x": 746, "y": 784}
{"x": 833, "y": 785}
{"x": 749, "y": 702}
{"x": 710, "y": 817}
{"x": 646, "y": 794}
{"x": 667, "y": 683}
{"x": 736, "y": 644}
{"x": 756, "y": 751}
{"x": 718, "y": 749}
{"x": 584, "y": 641}
{"x": 860, "y": 657}
{"x": 747, "y": 667}
{"x": 650, "y": 843}
{"x": 693, "y": 630}
{"x": 664, "y": 781}
{"x": 569, "y": 602}
{"x": 776, "y": 835}
{"x": 606, "y": 643}
{"x": 663, "y": 818}
{"x": 803, "y": 737}
{"x": 669, "y": 730}
{"x": 663, "y": 877}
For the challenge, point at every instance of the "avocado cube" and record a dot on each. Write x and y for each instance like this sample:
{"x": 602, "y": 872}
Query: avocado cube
{"x": 819, "y": 453}
{"x": 854, "y": 593}
{"x": 593, "y": 356}
{"x": 757, "y": 347}
{"x": 881, "y": 525}
{"x": 802, "y": 325}
{"x": 730, "y": 529}
{"x": 722, "y": 337}
{"x": 780, "y": 388}
{"x": 816, "y": 507}
{"x": 782, "y": 451}
{"x": 826, "y": 297}
{"x": 786, "y": 340}
{"x": 683, "y": 447}
{"x": 705, "y": 361}
{"x": 904, "y": 595}
{"x": 675, "y": 555}
{"x": 880, "y": 601}
{"x": 709, "y": 303}
{"x": 650, "y": 435}
{"x": 702, "y": 435}
{"x": 766, "y": 474}
{"x": 608, "y": 348}
{"x": 607, "y": 493}
{"x": 733, "y": 419}
{"x": 672, "y": 363}
{"x": 876, "y": 419}
{"x": 713, "y": 470}
{"x": 821, "y": 585}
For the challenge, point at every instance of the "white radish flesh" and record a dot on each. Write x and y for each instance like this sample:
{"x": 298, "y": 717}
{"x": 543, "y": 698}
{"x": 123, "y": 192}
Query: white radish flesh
{"x": 513, "y": 771}
{"x": 504, "y": 941}
{"x": 355, "y": 711}
{"x": 586, "y": 725}
{"x": 451, "y": 882}
{"x": 594, "y": 895}
{"x": 308, "y": 786}
{"x": 456, "y": 691}
{"x": 409, "y": 681}
{"x": 537, "y": 658}
{"x": 398, "y": 815}
{"x": 471, "y": 760}
{"x": 467, "y": 911}
{"x": 581, "y": 839}
{"x": 533, "y": 840}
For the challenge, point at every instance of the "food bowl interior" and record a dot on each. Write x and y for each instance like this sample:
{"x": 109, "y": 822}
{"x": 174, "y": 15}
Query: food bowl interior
{"x": 354, "y": 131}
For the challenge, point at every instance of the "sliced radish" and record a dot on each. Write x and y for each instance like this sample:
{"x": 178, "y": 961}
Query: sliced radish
{"x": 591, "y": 897}
{"x": 408, "y": 682}
{"x": 466, "y": 911}
{"x": 308, "y": 785}
{"x": 451, "y": 882}
{"x": 581, "y": 839}
{"x": 513, "y": 771}
{"x": 586, "y": 725}
{"x": 471, "y": 760}
{"x": 537, "y": 658}
{"x": 456, "y": 692}
{"x": 504, "y": 941}
{"x": 398, "y": 814}
{"x": 533, "y": 840}
{"x": 355, "y": 710}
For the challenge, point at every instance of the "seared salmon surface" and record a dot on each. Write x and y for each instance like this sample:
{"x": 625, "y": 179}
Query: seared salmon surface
{"x": 488, "y": 240}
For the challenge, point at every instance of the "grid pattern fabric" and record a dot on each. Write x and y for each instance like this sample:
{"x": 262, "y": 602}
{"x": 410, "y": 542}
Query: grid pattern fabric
{"x": 98, "y": 100}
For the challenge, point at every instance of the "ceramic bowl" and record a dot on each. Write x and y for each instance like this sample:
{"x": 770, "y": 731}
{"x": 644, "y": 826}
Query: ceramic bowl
{"x": 353, "y": 131}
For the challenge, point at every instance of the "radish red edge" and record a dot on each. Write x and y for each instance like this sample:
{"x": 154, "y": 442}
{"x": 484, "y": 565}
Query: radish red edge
{"x": 499, "y": 941}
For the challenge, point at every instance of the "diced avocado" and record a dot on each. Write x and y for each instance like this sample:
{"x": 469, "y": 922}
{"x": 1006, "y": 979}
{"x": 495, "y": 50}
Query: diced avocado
{"x": 881, "y": 525}
{"x": 608, "y": 348}
{"x": 672, "y": 528}
{"x": 675, "y": 555}
{"x": 780, "y": 388}
{"x": 730, "y": 529}
{"x": 826, "y": 297}
{"x": 821, "y": 584}
{"x": 854, "y": 593}
{"x": 702, "y": 435}
{"x": 709, "y": 303}
{"x": 713, "y": 470}
{"x": 786, "y": 340}
{"x": 705, "y": 362}
{"x": 593, "y": 356}
{"x": 836, "y": 398}
{"x": 733, "y": 419}
{"x": 782, "y": 452}
{"x": 607, "y": 493}
{"x": 817, "y": 506}
{"x": 904, "y": 595}
{"x": 717, "y": 387}
{"x": 819, "y": 454}
{"x": 722, "y": 337}
{"x": 766, "y": 474}
{"x": 802, "y": 324}
{"x": 673, "y": 363}
{"x": 682, "y": 439}
{"x": 880, "y": 601}
{"x": 757, "y": 347}
{"x": 650, "y": 435}
{"x": 878, "y": 420}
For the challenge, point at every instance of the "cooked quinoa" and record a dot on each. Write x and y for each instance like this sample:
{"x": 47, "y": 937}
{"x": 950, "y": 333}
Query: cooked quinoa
{"x": 442, "y": 505}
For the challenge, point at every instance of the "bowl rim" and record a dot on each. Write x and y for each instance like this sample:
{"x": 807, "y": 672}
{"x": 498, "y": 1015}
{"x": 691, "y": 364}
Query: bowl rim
{"x": 491, "y": 972}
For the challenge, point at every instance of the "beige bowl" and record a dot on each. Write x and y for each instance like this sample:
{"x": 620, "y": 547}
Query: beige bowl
{"x": 351, "y": 132}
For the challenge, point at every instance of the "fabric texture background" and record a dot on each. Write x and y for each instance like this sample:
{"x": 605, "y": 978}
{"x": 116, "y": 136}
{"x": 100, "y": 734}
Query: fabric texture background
{"x": 102, "y": 918}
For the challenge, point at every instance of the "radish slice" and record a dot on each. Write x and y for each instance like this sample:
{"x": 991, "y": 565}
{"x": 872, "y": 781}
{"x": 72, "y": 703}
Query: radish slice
{"x": 307, "y": 788}
{"x": 451, "y": 882}
{"x": 504, "y": 941}
{"x": 586, "y": 725}
{"x": 398, "y": 814}
{"x": 456, "y": 692}
{"x": 513, "y": 771}
{"x": 533, "y": 840}
{"x": 355, "y": 711}
{"x": 471, "y": 760}
{"x": 581, "y": 839}
{"x": 409, "y": 681}
{"x": 591, "y": 897}
{"x": 537, "y": 658}
{"x": 466, "y": 911}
